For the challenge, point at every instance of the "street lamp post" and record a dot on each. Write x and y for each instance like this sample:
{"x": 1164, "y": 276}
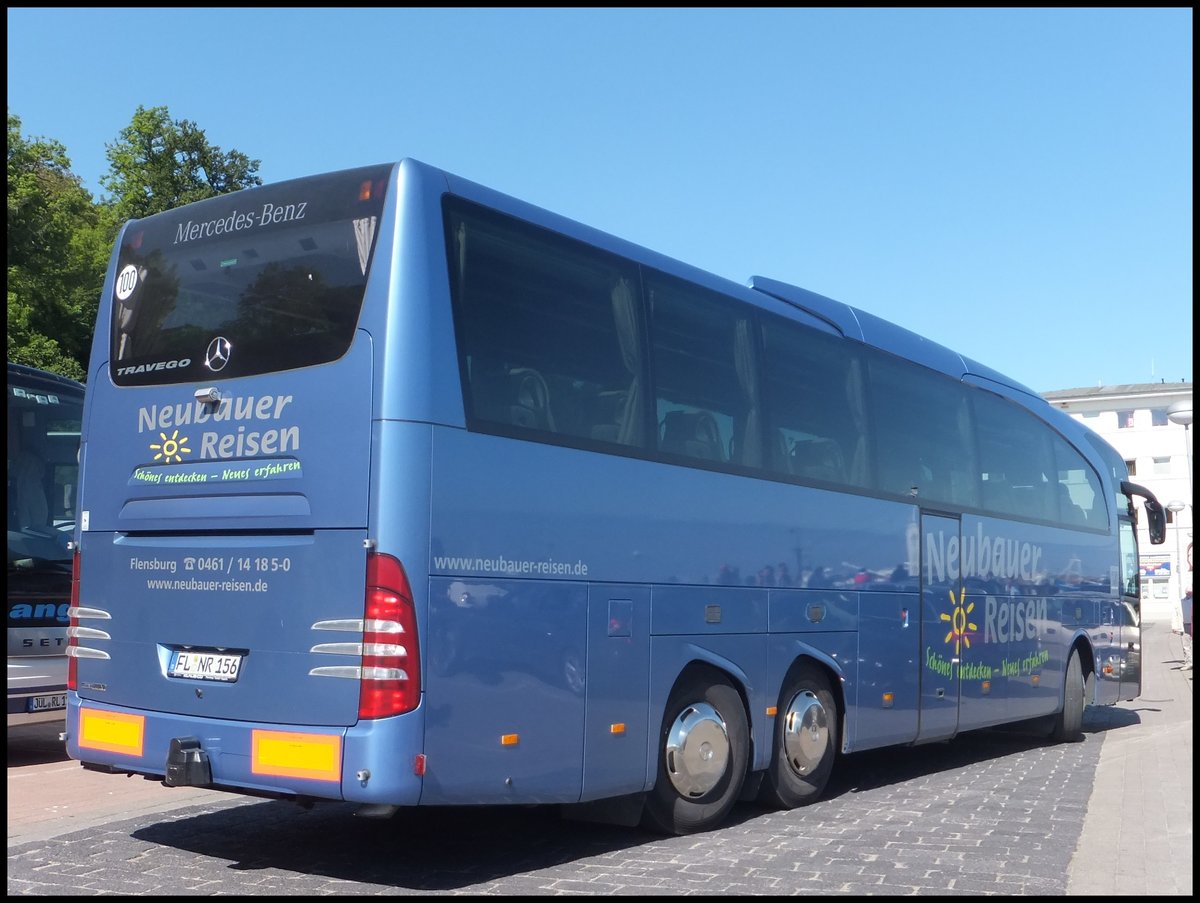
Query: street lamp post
{"x": 1181, "y": 412}
{"x": 1175, "y": 506}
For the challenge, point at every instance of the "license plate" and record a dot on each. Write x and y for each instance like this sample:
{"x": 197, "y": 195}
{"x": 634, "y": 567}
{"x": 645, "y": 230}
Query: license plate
{"x": 47, "y": 703}
{"x": 205, "y": 666}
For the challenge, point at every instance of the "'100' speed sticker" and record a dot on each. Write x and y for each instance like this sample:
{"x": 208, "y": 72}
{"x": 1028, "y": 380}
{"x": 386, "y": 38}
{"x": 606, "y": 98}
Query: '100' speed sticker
{"x": 127, "y": 282}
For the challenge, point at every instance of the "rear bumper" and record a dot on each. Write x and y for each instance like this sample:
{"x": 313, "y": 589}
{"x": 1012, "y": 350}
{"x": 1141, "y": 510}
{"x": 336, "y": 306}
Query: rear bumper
{"x": 372, "y": 762}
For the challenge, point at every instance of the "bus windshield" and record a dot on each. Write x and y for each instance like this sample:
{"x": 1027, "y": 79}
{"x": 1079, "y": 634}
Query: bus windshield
{"x": 280, "y": 278}
{"x": 43, "y": 461}
{"x": 44, "y": 418}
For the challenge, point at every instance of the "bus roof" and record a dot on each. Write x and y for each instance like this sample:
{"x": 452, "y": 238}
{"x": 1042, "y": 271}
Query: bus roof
{"x": 27, "y": 372}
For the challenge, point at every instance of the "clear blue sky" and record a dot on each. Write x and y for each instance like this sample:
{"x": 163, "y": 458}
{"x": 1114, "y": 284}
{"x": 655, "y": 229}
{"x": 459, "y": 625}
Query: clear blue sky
{"x": 1015, "y": 184}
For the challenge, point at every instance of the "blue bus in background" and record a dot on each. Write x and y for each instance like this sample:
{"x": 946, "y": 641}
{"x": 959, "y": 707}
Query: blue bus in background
{"x": 401, "y": 492}
{"x": 45, "y": 412}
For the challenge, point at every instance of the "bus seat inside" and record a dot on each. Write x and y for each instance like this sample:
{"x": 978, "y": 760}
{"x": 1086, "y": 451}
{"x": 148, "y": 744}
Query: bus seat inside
{"x": 692, "y": 433}
{"x": 818, "y": 459}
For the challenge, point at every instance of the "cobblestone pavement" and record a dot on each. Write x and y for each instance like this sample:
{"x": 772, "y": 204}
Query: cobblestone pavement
{"x": 989, "y": 813}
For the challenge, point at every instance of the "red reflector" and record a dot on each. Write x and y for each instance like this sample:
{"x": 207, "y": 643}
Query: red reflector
{"x": 72, "y": 663}
{"x": 419, "y": 765}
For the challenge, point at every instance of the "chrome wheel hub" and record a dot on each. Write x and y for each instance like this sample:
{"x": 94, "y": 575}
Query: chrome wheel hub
{"x": 697, "y": 750}
{"x": 805, "y": 732}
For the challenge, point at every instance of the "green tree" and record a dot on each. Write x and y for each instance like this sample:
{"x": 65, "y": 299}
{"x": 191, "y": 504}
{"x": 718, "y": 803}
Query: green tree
{"x": 158, "y": 163}
{"x": 56, "y": 253}
{"x": 60, "y": 238}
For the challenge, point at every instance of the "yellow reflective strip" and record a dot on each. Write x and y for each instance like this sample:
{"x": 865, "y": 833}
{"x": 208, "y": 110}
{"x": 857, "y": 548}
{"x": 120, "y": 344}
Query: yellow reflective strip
{"x": 316, "y": 757}
{"x": 510, "y": 739}
{"x": 111, "y": 731}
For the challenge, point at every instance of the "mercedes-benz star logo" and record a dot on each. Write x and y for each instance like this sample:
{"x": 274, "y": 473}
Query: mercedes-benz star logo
{"x": 217, "y": 355}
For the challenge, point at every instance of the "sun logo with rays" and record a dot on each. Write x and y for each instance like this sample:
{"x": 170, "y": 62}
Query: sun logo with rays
{"x": 959, "y": 620}
{"x": 173, "y": 447}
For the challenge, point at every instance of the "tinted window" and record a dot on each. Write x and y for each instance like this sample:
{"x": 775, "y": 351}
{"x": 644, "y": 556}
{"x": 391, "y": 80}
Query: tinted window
{"x": 705, "y": 381}
{"x": 1016, "y": 460}
{"x": 815, "y": 413}
{"x": 560, "y": 342}
{"x": 549, "y": 332}
{"x": 277, "y": 271}
{"x": 924, "y": 444}
{"x": 43, "y": 464}
{"x": 1115, "y": 470}
{"x": 1080, "y": 500}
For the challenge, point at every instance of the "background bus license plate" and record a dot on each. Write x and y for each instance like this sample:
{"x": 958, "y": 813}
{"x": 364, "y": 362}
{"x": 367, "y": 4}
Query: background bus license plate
{"x": 47, "y": 703}
{"x": 205, "y": 666}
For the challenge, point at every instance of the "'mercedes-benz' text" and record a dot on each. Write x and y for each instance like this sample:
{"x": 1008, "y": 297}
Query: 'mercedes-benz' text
{"x": 269, "y": 215}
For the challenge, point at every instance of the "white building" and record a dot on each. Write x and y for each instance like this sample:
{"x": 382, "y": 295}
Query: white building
{"x": 1150, "y": 425}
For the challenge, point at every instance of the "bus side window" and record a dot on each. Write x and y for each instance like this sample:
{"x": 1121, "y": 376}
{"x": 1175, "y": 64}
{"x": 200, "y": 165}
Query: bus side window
{"x": 923, "y": 433}
{"x": 705, "y": 379}
{"x": 1080, "y": 500}
{"x": 813, "y": 407}
{"x": 550, "y": 331}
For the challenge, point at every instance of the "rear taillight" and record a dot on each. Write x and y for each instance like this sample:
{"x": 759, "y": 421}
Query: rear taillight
{"x": 72, "y": 662}
{"x": 391, "y": 666}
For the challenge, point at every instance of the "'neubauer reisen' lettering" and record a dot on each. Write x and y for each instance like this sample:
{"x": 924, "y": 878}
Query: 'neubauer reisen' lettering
{"x": 262, "y": 435}
{"x": 241, "y": 407}
{"x": 981, "y": 555}
{"x": 245, "y": 443}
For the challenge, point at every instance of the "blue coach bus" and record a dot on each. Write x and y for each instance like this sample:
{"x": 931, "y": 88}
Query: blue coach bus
{"x": 400, "y": 491}
{"x": 44, "y": 415}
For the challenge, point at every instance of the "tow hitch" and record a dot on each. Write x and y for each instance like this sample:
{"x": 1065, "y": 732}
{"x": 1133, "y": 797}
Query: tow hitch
{"x": 187, "y": 764}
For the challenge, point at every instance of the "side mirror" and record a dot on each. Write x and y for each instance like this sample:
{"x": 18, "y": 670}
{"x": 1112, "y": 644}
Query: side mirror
{"x": 1156, "y": 517}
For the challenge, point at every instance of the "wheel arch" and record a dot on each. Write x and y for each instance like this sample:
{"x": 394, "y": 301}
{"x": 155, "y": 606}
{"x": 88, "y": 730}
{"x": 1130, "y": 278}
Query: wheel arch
{"x": 704, "y": 663}
{"x": 708, "y": 666}
{"x": 1087, "y": 659}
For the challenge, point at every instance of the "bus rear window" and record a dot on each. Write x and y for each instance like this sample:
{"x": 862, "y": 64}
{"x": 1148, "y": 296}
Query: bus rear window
{"x": 251, "y": 282}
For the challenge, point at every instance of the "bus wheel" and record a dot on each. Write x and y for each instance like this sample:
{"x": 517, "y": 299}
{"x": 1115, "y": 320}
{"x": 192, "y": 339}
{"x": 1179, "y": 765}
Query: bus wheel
{"x": 1068, "y": 725}
{"x": 805, "y": 743}
{"x": 703, "y": 750}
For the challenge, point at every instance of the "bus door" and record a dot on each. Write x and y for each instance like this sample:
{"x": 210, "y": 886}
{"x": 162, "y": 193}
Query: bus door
{"x": 1130, "y": 657}
{"x": 944, "y": 626}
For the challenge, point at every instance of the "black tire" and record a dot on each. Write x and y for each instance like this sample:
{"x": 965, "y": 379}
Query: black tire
{"x": 805, "y": 740}
{"x": 1068, "y": 724}
{"x": 703, "y": 750}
